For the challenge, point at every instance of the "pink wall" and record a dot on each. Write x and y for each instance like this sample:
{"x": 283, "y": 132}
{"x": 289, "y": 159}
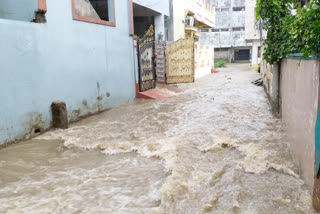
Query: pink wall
{"x": 299, "y": 97}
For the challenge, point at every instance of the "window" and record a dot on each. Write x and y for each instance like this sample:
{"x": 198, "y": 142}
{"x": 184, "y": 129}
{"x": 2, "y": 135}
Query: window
{"x": 259, "y": 52}
{"x": 238, "y": 29}
{"x": 224, "y": 9}
{"x": 215, "y": 30}
{"x": 205, "y": 30}
{"x": 26, "y": 10}
{"x": 94, "y": 11}
{"x": 225, "y": 30}
{"x": 238, "y": 8}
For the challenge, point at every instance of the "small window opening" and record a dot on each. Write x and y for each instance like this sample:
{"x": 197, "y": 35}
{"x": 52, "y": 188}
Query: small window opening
{"x": 238, "y": 8}
{"x": 259, "y": 52}
{"x": 238, "y": 29}
{"x": 95, "y": 11}
{"x": 205, "y": 30}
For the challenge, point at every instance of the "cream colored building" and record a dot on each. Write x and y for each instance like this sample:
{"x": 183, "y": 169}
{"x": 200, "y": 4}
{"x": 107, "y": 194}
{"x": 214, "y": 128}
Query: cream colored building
{"x": 200, "y": 12}
{"x": 254, "y": 32}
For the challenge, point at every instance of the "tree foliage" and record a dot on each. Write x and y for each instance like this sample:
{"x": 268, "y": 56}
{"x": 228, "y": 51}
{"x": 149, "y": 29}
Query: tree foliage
{"x": 288, "y": 33}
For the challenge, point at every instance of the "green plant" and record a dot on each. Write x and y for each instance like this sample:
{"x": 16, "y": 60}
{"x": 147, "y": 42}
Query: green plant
{"x": 137, "y": 37}
{"x": 288, "y": 33}
{"x": 220, "y": 63}
{"x": 305, "y": 30}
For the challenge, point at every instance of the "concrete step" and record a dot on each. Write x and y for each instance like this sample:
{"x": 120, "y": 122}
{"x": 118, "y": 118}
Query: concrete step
{"x": 169, "y": 87}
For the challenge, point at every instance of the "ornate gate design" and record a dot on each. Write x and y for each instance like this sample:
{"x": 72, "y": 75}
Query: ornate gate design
{"x": 147, "y": 77}
{"x": 180, "y": 61}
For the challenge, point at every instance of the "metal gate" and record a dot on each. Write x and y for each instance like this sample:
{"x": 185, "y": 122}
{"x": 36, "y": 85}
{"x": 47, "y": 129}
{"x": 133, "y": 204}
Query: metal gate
{"x": 180, "y": 61}
{"x": 147, "y": 77}
{"x": 242, "y": 55}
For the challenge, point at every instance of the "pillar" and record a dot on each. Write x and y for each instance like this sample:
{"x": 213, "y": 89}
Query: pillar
{"x": 159, "y": 27}
{"x": 59, "y": 115}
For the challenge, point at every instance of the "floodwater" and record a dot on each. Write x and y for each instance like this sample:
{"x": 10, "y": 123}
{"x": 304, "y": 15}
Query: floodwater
{"x": 215, "y": 148}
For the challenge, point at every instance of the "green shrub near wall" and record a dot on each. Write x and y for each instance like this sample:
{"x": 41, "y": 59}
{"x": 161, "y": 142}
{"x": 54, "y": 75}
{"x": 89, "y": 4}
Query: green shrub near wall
{"x": 220, "y": 63}
{"x": 288, "y": 33}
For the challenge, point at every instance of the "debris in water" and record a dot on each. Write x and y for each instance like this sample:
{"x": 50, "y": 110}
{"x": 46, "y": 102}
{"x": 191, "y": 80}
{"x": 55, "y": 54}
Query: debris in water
{"x": 258, "y": 82}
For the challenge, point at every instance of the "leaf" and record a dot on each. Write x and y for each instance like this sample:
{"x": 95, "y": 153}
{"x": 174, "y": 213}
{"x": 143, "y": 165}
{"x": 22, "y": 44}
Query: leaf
{"x": 315, "y": 6}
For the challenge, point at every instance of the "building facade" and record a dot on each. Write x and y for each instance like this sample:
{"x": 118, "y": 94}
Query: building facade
{"x": 62, "y": 50}
{"x": 189, "y": 17}
{"x": 228, "y": 35}
{"x": 254, "y": 33}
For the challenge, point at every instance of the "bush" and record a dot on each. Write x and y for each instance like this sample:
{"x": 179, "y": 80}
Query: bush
{"x": 220, "y": 63}
{"x": 288, "y": 33}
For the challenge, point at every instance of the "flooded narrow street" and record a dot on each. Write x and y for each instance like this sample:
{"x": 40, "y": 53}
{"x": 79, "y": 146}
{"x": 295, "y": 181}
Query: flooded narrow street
{"x": 215, "y": 148}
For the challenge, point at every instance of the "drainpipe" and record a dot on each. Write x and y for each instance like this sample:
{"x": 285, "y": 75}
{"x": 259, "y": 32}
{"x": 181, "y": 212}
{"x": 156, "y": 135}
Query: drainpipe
{"x": 275, "y": 105}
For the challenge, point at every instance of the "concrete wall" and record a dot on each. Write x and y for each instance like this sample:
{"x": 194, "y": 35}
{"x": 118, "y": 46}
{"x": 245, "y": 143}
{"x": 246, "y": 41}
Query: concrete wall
{"x": 299, "y": 96}
{"x": 256, "y": 59}
{"x": 223, "y": 19}
{"x": 253, "y": 35}
{"x": 238, "y": 3}
{"x": 222, "y": 54}
{"x": 22, "y": 10}
{"x": 238, "y": 39}
{"x": 250, "y": 22}
{"x": 238, "y": 18}
{"x": 226, "y": 21}
{"x": 89, "y": 66}
{"x": 204, "y": 60}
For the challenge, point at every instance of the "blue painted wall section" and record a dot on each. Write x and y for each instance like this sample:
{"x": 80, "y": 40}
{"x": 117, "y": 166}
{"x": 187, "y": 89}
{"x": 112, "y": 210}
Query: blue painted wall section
{"x": 317, "y": 137}
{"x": 23, "y": 10}
{"x": 89, "y": 66}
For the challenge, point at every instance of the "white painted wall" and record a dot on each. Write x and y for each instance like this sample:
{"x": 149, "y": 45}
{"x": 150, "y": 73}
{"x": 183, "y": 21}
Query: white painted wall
{"x": 250, "y": 22}
{"x": 159, "y": 27}
{"x": 251, "y": 33}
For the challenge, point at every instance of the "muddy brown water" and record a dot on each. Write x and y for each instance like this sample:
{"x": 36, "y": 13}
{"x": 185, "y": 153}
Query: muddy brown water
{"x": 215, "y": 148}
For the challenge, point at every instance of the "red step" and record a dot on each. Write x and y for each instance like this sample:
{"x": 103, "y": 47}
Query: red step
{"x": 152, "y": 94}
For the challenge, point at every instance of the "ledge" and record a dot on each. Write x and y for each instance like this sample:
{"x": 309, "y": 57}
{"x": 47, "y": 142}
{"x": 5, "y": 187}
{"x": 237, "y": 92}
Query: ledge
{"x": 300, "y": 56}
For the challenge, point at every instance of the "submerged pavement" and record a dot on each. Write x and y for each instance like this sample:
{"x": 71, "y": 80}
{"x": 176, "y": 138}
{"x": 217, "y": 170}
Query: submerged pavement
{"x": 215, "y": 148}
